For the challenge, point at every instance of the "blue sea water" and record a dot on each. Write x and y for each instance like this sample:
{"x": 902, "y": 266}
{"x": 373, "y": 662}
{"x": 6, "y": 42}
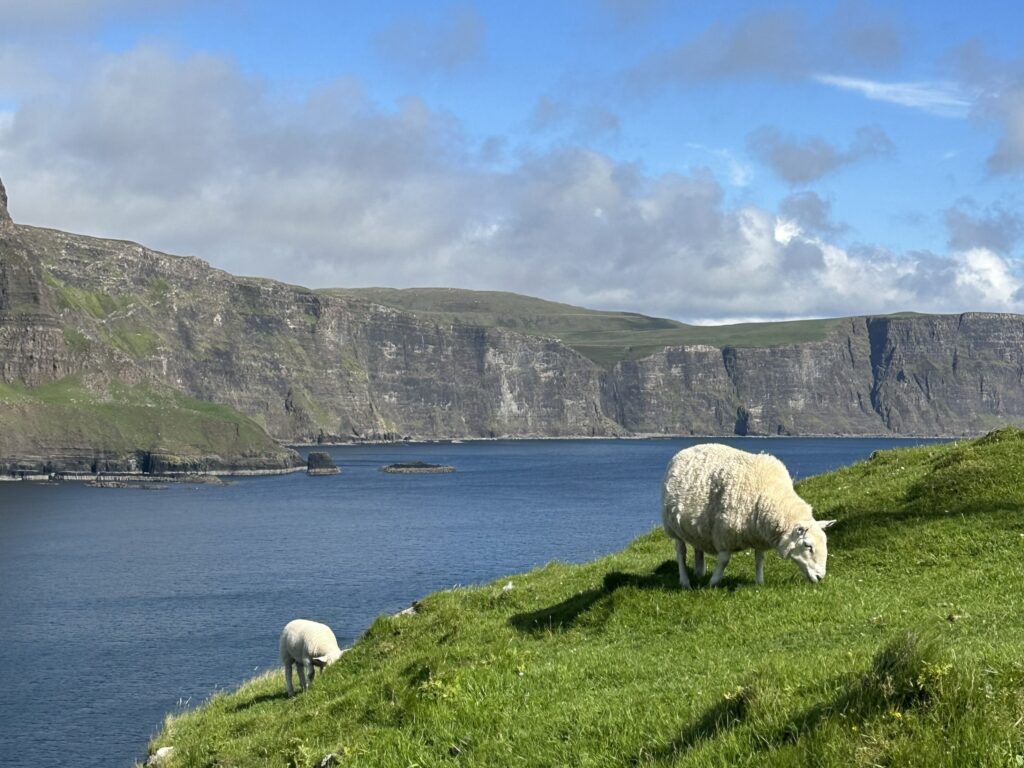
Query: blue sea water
{"x": 118, "y": 606}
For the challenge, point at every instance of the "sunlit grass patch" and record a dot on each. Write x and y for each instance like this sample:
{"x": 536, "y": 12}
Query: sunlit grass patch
{"x": 911, "y": 652}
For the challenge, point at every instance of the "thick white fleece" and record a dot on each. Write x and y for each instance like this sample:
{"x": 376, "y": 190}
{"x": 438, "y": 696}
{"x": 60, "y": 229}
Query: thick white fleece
{"x": 307, "y": 643}
{"x": 720, "y": 499}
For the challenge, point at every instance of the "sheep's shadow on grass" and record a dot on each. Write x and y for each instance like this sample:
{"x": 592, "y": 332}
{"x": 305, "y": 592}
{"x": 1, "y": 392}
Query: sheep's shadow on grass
{"x": 726, "y": 714}
{"x": 569, "y": 612}
{"x": 257, "y": 700}
{"x": 897, "y": 680}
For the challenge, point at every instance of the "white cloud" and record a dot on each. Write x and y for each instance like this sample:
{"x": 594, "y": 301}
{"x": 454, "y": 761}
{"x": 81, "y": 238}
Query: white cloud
{"x": 802, "y": 160}
{"x": 775, "y": 42}
{"x": 336, "y": 190}
{"x": 942, "y": 98}
{"x": 56, "y": 17}
{"x": 986, "y": 273}
{"x": 740, "y": 174}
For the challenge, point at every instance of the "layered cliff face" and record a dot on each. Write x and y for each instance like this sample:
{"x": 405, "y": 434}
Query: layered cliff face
{"x": 307, "y": 366}
{"x": 923, "y": 375}
{"x": 114, "y": 317}
{"x": 32, "y": 348}
{"x": 948, "y": 374}
{"x": 68, "y": 403}
{"x": 819, "y": 387}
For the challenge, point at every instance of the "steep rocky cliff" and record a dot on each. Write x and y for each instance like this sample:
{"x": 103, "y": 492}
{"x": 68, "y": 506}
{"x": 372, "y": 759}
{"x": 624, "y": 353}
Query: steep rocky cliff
{"x": 68, "y": 404}
{"x": 32, "y": 348}
{"x": 921, "y": 375}
{"x": 113, "y": 316}
{"x": 304, "y": 365}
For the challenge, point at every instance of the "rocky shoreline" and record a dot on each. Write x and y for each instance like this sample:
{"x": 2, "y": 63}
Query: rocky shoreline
{"x": 141, "y": 477}
{"x": 420, "y": 440}
{"x": 45, "y": 470}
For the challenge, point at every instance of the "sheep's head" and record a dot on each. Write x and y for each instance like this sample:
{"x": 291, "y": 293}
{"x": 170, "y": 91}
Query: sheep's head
{"x": 327, "y": 659}
{"x": 807, "y": 546}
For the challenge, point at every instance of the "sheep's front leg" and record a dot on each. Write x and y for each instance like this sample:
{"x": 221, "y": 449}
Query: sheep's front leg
{"x": 723, "y": 560}
{"x": 288, "y": 677}
{"x": 698, "y": 563}
{"x": 312, "y": 671}
{"x": 759, "y": 566}
{"x": 302, "y": 674}
{"x": 684, "y": 580}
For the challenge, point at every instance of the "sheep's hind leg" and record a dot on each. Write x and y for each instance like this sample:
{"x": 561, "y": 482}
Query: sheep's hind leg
{"x": 684, "y": 580}
{"x": 288, "y": 678}
{"x": 723, "y": 560}
{"x": 759, "y": 566}
{"x": 698, "y": 563}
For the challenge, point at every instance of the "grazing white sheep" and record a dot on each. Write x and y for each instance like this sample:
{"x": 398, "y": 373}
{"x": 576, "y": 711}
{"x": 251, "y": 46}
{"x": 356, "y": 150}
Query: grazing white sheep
{"x": 307, "y": 642}
{"x": 720, "y": 499}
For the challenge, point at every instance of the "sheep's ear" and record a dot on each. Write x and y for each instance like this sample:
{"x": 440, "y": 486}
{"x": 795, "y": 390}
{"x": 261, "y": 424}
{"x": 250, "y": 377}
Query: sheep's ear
{"x": 824, "y": 524}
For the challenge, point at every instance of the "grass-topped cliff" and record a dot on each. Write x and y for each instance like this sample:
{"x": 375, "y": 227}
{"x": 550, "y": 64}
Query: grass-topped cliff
{"x": 604, "y": 337}
{"x": 910, "y": 653}
{"x": 67, "y": 426}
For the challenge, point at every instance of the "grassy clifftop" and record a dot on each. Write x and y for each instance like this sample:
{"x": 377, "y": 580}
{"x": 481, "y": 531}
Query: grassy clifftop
{"x": 911, "y": 652}
{"x": 604, "y": 337}
{"x": 68, "y": 426}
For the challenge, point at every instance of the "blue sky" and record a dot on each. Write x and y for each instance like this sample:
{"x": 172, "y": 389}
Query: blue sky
{"x": 704, "y": 161}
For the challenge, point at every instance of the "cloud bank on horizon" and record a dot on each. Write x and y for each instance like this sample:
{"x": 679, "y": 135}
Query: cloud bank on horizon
{"x": 707, "y": 164}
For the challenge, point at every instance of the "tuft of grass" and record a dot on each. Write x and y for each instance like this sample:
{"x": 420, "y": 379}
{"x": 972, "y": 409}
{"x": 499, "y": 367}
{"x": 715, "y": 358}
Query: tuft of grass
{"x": 909, "y": 653}
{"x": 137, "y": 342}
{"x": 95, "y": 303}
{"x": 157, "y": 289}
{"x": 75, "y": 339}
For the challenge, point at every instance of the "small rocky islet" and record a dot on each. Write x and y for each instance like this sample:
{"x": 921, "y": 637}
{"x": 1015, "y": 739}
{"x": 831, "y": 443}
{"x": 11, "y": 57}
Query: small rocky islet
{"x": 416, "y": 468}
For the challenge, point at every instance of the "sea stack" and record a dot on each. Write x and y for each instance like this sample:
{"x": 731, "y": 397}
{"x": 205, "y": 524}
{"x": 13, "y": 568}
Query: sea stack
{"x": 321, "y": 463}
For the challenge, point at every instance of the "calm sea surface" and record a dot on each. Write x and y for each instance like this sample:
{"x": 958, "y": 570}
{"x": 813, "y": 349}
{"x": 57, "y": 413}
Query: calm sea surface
{"x": 117, "y": 606}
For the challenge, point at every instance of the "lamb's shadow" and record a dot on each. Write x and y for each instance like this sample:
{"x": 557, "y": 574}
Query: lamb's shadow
{"x": 257, "y": 700}
{"x": 566, "y": 614}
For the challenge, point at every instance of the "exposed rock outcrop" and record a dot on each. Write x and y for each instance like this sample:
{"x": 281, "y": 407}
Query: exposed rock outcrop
{"x": 321, "y": 463}
{"x": 32, "y": 347}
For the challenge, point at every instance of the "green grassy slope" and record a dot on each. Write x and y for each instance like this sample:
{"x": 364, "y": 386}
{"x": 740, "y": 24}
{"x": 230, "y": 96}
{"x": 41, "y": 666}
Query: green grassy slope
{"x": 604, "y": 337}
{"x": 910, "y": 652}
{"x": 65, "y": 417}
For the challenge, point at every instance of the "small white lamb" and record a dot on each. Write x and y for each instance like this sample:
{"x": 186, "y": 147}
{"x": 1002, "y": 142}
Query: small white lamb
{"x": 307, "y": 642}
{"x": 720, "y": 499}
